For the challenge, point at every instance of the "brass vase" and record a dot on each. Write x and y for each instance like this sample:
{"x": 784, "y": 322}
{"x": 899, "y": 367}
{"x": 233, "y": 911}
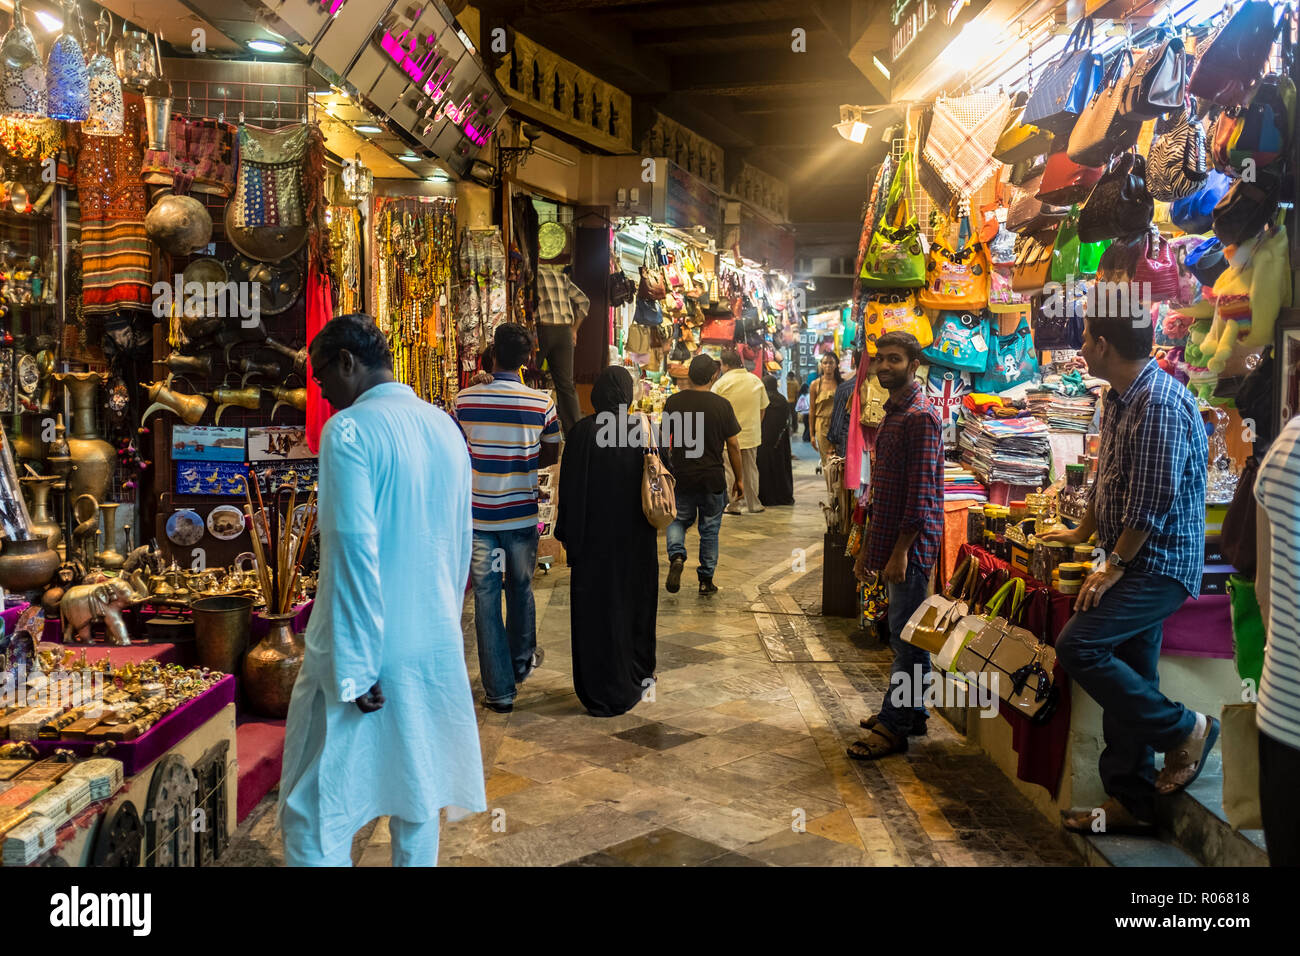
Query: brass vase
{"x": 271, "y": 667}
{"x": 93, "y": 457}
{"x": 221, "y": 628}
{"x": 26, "y": 565}
{"x": 43, "y": 522}
{"x": 110, "y": 558}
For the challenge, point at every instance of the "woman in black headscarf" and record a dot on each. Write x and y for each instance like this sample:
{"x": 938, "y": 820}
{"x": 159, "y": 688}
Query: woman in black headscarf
{"x": 612, "y": 551}
{"x": 775, "y": 472}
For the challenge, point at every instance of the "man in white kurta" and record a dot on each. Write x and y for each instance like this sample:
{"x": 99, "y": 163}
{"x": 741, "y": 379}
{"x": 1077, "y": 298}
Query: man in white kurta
{"x": 382, "y": 719}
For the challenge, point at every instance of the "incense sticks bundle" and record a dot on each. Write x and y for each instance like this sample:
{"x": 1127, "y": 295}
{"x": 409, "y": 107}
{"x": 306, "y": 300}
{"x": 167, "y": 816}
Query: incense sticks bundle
{"x": 279, "y": 561}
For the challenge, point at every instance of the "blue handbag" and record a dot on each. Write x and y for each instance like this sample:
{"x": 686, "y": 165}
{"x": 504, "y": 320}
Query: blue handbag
{"x": 1067, "y": 85}
{"x": 1013, "y": 361}
{"x": 1206, "y": 261}
{"x": 647, "y": 312}
{"x": 1195, "y": 213}
{"x": 961, "y": 341}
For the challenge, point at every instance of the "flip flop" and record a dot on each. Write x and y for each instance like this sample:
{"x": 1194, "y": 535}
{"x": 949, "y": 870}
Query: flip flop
{"x": 1186, "y": 757}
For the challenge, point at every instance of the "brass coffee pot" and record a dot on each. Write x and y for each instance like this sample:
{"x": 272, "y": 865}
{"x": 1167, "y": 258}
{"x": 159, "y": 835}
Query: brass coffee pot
{"x": 250, "y": 398}
{"x": 190, "y": 408}
{"x": 299, "y": 356}
{"x": 179, "y": 364}
{"x": 296, "y": 397}
{"x": 251, "y": 367}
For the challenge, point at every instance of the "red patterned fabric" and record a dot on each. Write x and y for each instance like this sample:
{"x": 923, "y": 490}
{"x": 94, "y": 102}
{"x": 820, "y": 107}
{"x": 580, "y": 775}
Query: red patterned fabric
{"x": 319, "y": 311}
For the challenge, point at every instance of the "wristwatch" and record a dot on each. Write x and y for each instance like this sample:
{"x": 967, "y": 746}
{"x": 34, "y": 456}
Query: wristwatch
{"x": 1115, "y": 561}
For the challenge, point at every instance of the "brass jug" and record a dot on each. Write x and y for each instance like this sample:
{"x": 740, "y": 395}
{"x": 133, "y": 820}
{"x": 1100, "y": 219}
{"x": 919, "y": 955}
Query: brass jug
{"x": 250, "y": 398}
{"x": 299, "y": 356}
{"x": 179, "y": 364}
{"x": 93, "y": 458}
{"x": 190, "y": 408}
{"x": 110, "y": 557}
{"x": 296, "y": 397}
{"x": 42, "y": 522}
{"x": 251, "y": 367}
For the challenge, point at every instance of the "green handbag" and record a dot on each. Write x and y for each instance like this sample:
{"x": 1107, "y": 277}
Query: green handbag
{"x": 1065, "y": 252}
{"x": 894, "y": 258}
{"x": 1247, "y": 629}
{"x": 1090, "y": 256}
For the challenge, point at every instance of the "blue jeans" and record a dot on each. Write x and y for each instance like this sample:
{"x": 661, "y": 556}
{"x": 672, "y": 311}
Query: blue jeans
{"x": 709, "y": 509}
{"x": 505, "y": 650}
{"x": 911, "y": 667}
{"x": 1112, "y": 651}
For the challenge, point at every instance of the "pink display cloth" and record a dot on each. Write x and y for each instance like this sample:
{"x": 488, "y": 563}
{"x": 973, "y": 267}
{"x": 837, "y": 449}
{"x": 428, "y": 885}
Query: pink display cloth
{"x": 856, "y": 445}
{"x": 162, "y": 737}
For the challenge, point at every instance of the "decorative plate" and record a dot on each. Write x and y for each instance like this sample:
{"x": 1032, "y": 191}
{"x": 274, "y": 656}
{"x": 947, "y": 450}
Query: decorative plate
{"x": 225, "y": 522}
{"x": 28, "y": 374}
{"x": 185, "y": 527}
{"x": 552, "y": 240}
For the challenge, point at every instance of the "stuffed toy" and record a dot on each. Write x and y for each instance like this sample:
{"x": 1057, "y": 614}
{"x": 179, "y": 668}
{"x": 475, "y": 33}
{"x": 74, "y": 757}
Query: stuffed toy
{"x": 1200, "y": 379}
{"x": 1248, "y": 297}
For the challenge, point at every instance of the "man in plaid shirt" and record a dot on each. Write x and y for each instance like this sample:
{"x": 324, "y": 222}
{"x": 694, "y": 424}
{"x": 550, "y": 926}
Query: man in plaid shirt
{"x": 1148, "y": 509}
{"x": 903, "y": 534}
{"x": 561, "y": 307}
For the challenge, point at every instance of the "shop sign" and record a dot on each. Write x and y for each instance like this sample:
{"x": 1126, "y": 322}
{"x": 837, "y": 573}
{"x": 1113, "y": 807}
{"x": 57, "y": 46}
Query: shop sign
{"x": 910, "y": 18}
{"x": 686, "y": 201}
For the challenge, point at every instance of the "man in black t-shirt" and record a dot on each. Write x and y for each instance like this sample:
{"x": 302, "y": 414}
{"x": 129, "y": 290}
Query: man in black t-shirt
{"x": 699, "y": 425}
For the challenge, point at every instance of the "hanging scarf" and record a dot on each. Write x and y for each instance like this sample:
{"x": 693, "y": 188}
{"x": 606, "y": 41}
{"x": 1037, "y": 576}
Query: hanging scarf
{"x": 319, "y": 311}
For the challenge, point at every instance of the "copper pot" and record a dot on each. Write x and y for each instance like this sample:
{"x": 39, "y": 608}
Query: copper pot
{"x": 221, "y": 628}
{"x": 27, "y": 565}
{"x": 271, "y": 667}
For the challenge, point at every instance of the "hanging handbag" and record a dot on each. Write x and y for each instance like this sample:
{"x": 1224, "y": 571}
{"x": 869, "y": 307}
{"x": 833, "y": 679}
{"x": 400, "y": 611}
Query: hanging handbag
{"x": 1090, "y": 254}
{"x": 1051, "y": 324}
{"x": 1068, "y": 83}
{"x": 718, "y": 331}
{"x": 961, "y": 341}
{"x": 1158, "y": 83}
{"x": 1065, "y": 182}
{"x": 956, "y": 279}
{"x": 1012, "y": 361}
{"x": 1247, "y": 208}
{"x": 1120, "y": 205}
{"x": 1258, "y": 135}
{"x": 1102, "y": 131}
{"x": 652, "y": 285}
{"x": 1176, "y": 163}
{"x": 658, "y": 486}
{"x": 1194, "y": 213}
{"x": 930, "y": 624}
{"x": 1065, "y": 249}
{"x": 898, "y": 312}
{"x": 992, "y": 215}
{"x": 1019, "y": 140}
{"x": 894, "y": 258}
{"x": 873, "y": 400}
{"x": 647, "y": 313}
{"x": 1156, "y": 272}
{"x": 1027, "y": 170}
{"x": 1032, "y": 268}
{"x": 1029, "y": 214}
{"x": 619, "y": 289}
{"x": 1233, "y": 61}
{"x": 1207, "y": 261}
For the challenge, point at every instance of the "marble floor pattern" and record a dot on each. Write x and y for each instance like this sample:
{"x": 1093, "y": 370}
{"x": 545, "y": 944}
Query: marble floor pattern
{"x": 738, "y": 759}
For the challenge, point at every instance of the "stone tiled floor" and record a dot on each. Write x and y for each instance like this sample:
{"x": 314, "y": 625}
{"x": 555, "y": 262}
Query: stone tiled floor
{"x": 738, "y": 760}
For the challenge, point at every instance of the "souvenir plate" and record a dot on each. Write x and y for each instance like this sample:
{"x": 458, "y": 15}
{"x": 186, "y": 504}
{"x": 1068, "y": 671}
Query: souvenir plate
{"x": 552, "y": 240}
{"x": 185, "y": 528}
{"x": 225, "y": 522}
{"x": 28, "y": 374}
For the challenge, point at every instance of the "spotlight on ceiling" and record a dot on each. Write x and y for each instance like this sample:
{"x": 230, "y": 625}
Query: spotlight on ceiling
{"x": 49, "y": 21}
{"x": 370, "y": 128}
{"x": 266, "y": 46}
{"x": 439, "y": 176}
{"x": 880, "y": 66}
{"x": 851, "y": 125}
{"x": 409, "y": 158}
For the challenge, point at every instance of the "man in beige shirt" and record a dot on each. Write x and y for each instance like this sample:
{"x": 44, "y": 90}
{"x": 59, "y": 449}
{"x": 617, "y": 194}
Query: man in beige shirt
{"x": 749, "y": 401}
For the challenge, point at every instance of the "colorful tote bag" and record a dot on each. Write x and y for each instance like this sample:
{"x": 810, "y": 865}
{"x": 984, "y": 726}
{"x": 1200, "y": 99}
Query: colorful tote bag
{"x": 957, "y": 279}
{"x": 945, "y": 388}
{"x": 894, "y": 258}
{"x": 1012, "y": 363}
{"x": 961, "y": 341}
{"x": 897, "y": 312}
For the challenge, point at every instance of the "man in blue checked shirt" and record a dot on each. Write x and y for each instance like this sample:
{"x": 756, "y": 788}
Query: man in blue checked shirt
{"x": 1148, "y": 510}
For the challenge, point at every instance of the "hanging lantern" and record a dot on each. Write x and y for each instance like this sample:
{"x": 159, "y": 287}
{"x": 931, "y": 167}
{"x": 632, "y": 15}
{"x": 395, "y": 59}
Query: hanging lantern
{"x": 23, "y": 86}
{"x": 67, "y": 81}
{"x": 135, "y": 59}
{"x": 158, "y": 105}
{"x": 358, "y": 180}
{"x": 106, "y": 116}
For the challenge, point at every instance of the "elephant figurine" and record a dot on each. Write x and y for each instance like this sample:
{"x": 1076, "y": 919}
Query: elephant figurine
{"x": 84, "y": 604}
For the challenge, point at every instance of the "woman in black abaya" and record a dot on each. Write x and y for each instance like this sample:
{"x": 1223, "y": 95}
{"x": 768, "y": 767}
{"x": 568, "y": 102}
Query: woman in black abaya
{"x": 613, "y": 553}
{"x": 775, "y": 472}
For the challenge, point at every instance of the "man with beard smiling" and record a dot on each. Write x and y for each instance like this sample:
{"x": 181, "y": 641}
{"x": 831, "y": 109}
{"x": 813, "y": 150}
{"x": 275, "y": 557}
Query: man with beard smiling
{"x": 903, "y": 534}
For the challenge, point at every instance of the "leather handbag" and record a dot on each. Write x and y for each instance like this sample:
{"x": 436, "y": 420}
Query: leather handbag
{"x": 1176, "y": 163}
{"x": 1032, "y": 268}
{"x": 1065, "y": 182}
{"x": 931, "y": 623}
{"x": 1194, "y": 213}
{"x": 1158, "y": 83}
{"x": 652, "y": 285}
{"x": 619, "y": 289}
{"x": 1067, "y": 85}
{"x": 718, "y": 331}
{"x": 1233, "y": 61}
{"x": 1019, "y": 140}
{"x": 1017, "y": 664}
{"x": 894, "y": 258}
{"x": 982, "y": 606}
{"x": 1029, "y": 214}
{"x": 1258, "y": 134}
{"x": 1027, "y": 170}
{"x": 1052, "y": 325}
{"x": 1102, "y": 131}
{"x": 1247, "y": 208}
{"x": 647, "y": 312}
{"x": 1156, "y": 271}
{"x": 658, "y": 487}
{"x": 1120, "y": 205}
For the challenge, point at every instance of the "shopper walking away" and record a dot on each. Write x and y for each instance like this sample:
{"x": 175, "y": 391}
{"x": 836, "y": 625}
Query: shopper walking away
{"x": 775, "y": 471}
{"x": 1148, "y": 509}
{"x": 1277, "y": 489}
{"x": 793, "y": 389}
{"x": 802, "y": 407}
{"x": 749, "y": 400}
{"x": 702, "y": 429}
{"x": 611, "y": 547}
{"x": 838, "y": 432}
{"x": 512, "y": 431}
{"x": 561, "y": 309}
{"x": 903, "y": 534}
{"x": 381, "y": 722}
{"x": 821, "y": 400}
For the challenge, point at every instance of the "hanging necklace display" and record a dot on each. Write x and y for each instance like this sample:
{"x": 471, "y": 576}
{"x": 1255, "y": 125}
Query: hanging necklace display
{"x": 24, "y": 75}
{"x": 106, "y": 116}
{"x": 67, "y": 81}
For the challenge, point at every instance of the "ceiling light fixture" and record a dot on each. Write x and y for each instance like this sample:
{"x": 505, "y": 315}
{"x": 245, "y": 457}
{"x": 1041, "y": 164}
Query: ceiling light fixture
{"x": 369, "y": 128}
{"x": 409, "y": 158}
{"x": 851, "y": 125}
{"x": 266, "y": 46}
{"x": 49, "y": 21}
{"x": 881, "y": 67}
{"x": 440, "y": 176}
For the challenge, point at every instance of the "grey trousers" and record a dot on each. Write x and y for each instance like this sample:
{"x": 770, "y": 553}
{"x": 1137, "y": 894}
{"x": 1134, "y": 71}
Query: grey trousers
{"x": 749, "y": 468}
{"x": 555, "y": 347}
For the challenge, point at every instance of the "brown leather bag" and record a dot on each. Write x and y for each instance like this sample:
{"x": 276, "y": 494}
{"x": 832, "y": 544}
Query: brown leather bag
{"x": 658, "y": 487}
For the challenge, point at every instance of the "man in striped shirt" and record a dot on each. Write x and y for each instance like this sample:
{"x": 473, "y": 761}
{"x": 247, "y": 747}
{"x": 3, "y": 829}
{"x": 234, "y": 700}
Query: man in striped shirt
{"x": 512, "y": 430}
